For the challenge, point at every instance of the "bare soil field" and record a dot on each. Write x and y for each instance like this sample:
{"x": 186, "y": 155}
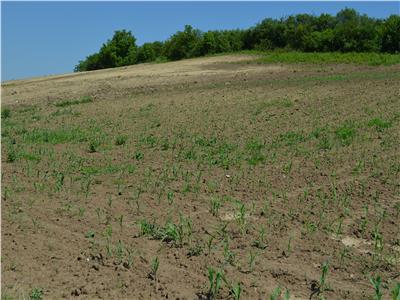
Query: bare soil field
{"x": 209, "y": 178}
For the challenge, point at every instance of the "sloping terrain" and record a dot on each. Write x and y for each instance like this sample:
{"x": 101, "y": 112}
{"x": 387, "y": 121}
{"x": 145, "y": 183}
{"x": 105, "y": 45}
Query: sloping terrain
{"x": 159, "y": 181}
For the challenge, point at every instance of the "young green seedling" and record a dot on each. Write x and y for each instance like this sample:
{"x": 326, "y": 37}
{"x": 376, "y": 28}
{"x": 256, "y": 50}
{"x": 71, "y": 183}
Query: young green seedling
{"x": 376, "y": 282}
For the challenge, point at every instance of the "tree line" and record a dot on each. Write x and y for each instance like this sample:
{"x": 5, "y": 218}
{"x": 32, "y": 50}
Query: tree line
{"x": 347, "y": 31}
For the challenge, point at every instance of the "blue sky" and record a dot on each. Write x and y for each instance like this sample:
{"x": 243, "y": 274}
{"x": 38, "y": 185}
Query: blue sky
{"x": 43, "y": 38}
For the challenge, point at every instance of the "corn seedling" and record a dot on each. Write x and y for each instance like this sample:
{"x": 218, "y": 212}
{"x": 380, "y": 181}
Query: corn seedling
{"x": 215, "y": 278}
{"x": 289, "y": 246}
{"x": 109, "y": 201}
{"x": 287, "y": 295}
{"x": 120, "y": 221}
{"x": 170, "y": 197}
{"x": 275, "y": 294}
{"x": 260, "y": 241}
{"x": 81, "y": 212}
{"x": 236, "y": 291}
{"x": 155, "y": 263}
{"x": 209, "y": 244}
{"x": 108, "y": 235}
{"x": 241, "y": 218}
{"x": 119, "y": 252}
{"x": 252, "y": 260}
{"x": 376, "y": 283}
{"x": 396, "y": 292}
{"x": 229, "y": 256}
{"x": 322, "y": 280}
{"x": 215, "y": 205}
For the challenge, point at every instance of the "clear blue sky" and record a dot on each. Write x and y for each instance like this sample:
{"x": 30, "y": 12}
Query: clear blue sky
{"x": 43, "y": 38}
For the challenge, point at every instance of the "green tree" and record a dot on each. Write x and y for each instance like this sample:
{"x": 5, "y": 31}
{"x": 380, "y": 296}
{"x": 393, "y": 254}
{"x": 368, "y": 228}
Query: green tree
{"x": 182, "y": 44}
{"x": 355, "y": 33}
{"x": 119, "y": 51}
{"x": 390, "y": 35}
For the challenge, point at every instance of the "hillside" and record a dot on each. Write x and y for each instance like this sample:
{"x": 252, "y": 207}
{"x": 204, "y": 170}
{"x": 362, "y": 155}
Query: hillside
{"x": 152, "y": 181}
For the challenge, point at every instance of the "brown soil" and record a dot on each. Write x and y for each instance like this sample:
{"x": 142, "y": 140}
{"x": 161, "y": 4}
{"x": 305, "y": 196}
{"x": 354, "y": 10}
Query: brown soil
{"x": 309, "y": 154}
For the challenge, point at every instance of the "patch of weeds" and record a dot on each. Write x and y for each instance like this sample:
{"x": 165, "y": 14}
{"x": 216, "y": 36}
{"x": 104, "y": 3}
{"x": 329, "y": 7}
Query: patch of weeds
{"x": 319, "y": 132}
{"x": 345, "y": 133}
{"x": 279, "y": 103}
{"x": 82, "y": 100}
{"x": 370, "y": 58}
{"x": 93, "y": 145}
{"x": 58, "y": 136}
{"x": 216, "y": 153}
{"x": 170, "y": 233}
{"x": 149, "y": 140}
{"x": 206, "y": 142}
{"x": 27, "y": 108}
{"x": 190, "y": 154}
{"x": 165, "y": 144}
{"x": 144, "y": 110}
{"x": 11, "y": 155}
{"x": 107, "y": 169}
{"x": 36, "y": 294}
{"x": 282, "y": 103}
{"x": 29, "y": 156}
{"x": 5, "y": 113}
{"x": 195, "y": 250}
{"x": 254, "y": 152}
{"x": 379, "y": 124}
{"x": 151, "y": 229}
{"x": 325, "y": 143}
{"x": 121, "y": 140}
{"x": 291, "y": 138}
{"x": 138, "y": 155}
{"x": 64, "y": 111}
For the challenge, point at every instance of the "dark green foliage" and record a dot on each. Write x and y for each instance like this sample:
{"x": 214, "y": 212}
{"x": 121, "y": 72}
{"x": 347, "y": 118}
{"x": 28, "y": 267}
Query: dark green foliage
{"x": 390, "y": 34}
{"x": 139, "y": 155}
{"x": 36, "y": 294}
{"x": 121, "y": 140}
{"x": 182, "y": 44}
{"x": 11, "y": 155}
{"x": 255, "y": 153}
{"x": 379, "y": 124}
{"x": 93, "y": 145}
{"x": 348, "y": 31}
{"x": 345, "y": 133}
{"x": 121, "y": 50}
{"x": 373, "y": 59}
{"x": 82, "y": 100}
{"x": 60, "y": 136}
{"x": 5, "y": 113}
{"x": 149, "y": 52}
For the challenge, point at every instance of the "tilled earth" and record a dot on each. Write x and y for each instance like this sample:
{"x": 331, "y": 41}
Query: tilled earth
{"x": 140, "y": 182}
